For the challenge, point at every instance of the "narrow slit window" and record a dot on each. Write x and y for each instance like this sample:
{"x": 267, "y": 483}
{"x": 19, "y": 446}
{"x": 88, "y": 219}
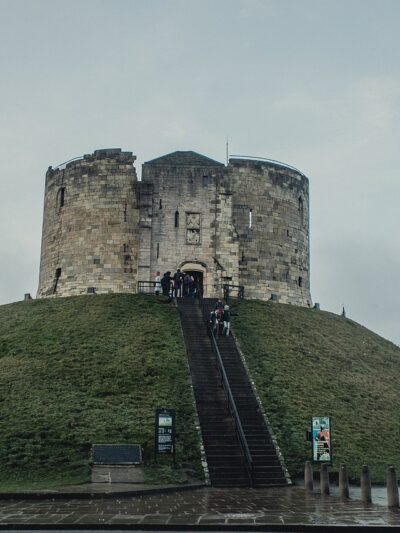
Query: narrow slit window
{"x": 125, "y": 212}
{"x": 301, "y": 208}
{"x": 56, "y": 278}
{"x": 250, "y": 218}
{"x": 177, "y": 219}
{"x": 61, "y": 197}
{"x": 158, "y": 250}
{"x": 125, "y": 248}
{"x": 160, "y": 204}
{"x": 300, "y": 281}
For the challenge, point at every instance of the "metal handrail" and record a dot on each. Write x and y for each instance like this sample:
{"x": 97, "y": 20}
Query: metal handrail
{"x": 232, "y": 407}
{"x": 69, "y": 161}
{"x": 149, "y": 285}
{"x": 228, "y": 288}
{"x": 255, "y": 158}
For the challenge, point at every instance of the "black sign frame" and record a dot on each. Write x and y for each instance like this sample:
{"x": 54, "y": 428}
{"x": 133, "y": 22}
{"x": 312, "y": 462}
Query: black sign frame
{"x": 164, "y": 431}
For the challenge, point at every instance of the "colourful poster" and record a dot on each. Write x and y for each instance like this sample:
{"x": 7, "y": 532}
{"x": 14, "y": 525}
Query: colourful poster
{"x": 321, "y": 439}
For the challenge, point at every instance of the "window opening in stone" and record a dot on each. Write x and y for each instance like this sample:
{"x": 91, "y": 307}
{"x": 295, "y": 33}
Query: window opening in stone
{"x": 160, "y": 204}
{"x": 250, "y": 217}
{"x": 301, "y": 208}
{"x": 56, "y": 278}
{"x": 205, "y": 180}
{"x": 125, "y": 212}
{"x": 177, "y": 219}
{"x": 300, "y": 281}
{"x": 242, "y": 256}
{"x": 61, "y": 197}
{"x": 158, "y": 250}
{"x": 125, "y": 247}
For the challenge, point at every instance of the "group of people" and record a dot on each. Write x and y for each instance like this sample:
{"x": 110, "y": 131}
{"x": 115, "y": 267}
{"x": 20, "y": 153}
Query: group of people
{"x": 220, "y": 319}
{"x": 181, "y": 284}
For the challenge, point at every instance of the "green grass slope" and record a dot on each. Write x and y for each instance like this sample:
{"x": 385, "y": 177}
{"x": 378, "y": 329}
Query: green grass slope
{"x": 90, "y": 369}
{"x": 312, "y": 363}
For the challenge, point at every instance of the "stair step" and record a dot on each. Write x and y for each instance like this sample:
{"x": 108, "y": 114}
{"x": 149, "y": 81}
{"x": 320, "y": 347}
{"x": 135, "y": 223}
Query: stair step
{"x": 223, "y": 451}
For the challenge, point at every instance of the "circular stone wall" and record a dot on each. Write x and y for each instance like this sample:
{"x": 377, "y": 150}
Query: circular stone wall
{"x": 90, "y": 226}
{"x": 271, "y": 217}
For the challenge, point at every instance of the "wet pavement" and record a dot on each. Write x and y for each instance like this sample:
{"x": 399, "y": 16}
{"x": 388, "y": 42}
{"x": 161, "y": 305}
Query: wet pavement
{"x": 207, "y": 506}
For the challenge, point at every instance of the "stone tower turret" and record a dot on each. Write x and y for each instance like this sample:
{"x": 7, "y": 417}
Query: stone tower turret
{"x": 271, "y": 217}
{"x": 90, "y": 226}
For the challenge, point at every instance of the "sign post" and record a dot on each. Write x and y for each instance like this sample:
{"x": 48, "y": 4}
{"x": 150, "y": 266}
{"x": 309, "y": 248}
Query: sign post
{"x": 165, "y": 431}
{"x": 321, "y": 439}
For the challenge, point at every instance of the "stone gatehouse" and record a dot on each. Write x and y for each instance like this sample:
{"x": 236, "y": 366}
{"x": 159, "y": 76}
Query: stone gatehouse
{"x": 244, "y": 223}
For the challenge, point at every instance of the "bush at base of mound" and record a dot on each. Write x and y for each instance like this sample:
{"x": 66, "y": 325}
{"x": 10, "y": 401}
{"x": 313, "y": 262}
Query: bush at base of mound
{"x": 307, "y": 363}
{"x": 91, "y": 369}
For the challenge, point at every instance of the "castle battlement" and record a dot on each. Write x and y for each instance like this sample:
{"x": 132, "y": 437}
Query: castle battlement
{"x": 246, "y": 223}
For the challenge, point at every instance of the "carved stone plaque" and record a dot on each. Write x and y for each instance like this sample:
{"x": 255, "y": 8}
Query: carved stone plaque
{"x": 193, "y": 228}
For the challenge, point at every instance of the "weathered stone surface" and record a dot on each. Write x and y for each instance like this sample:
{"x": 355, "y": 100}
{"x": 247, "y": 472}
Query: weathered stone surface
{"x": 246, "y": 223}
{"x": 117, "y": 474}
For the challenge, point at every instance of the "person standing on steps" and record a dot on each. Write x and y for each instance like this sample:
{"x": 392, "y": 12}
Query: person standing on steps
{"x": 219, "y": 306}
{"x": 227, "y": 321}
{"x": 157, "y": 286}
{"x": 192, "y": 287}
{"x": 178, "y": 284}
{"x": 166, "y": 283}
{"x": 186, "y": 281}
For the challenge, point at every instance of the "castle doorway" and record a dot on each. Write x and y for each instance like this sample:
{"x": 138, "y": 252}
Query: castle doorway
{"x": 198, "y": 281}
{"x": 199, "y": 273}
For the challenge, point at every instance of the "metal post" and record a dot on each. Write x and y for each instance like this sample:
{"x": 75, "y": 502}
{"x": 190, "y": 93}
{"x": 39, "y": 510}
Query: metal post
{"x": 343, "y": 482}
{"x": 308, "y": 476}
{"x": 324, "y": 480}
{"x": 392, "y": 488}
{"x": 365, "y": 483}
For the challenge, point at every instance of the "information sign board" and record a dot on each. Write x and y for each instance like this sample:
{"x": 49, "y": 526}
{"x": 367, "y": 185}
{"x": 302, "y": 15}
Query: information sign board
{"x": 117, "y": 454}
{"x": 165, "y": 431}
{"x": 321, "y": 439}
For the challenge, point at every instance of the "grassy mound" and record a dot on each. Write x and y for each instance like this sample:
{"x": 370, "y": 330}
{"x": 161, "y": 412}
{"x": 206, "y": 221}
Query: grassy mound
{"x": 313, "y": 363}
{"x": 90, "y": 369}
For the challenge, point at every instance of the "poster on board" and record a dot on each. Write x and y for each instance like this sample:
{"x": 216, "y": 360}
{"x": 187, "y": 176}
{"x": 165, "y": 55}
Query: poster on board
{"x": 165, "y": 431}
{"x": 321, "y": 439}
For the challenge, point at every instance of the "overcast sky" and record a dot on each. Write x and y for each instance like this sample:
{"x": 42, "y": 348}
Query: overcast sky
{"x": 314, "y": 83}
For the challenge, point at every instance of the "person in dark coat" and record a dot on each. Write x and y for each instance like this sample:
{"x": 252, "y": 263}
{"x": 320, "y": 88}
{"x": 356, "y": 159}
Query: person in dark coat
{"x": 186, "y": 281}
{"x": 227, "y": 321}
{"x": 166, "y": 283}
{"x": 177, "y": 284}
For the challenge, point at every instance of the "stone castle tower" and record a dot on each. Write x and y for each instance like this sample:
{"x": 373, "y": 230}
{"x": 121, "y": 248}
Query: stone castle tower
{"x": 246, "y": 223}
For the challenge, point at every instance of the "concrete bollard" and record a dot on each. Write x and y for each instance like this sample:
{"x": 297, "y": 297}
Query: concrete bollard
{"x": 308, "y": 476}
{"x": 392, "y": 488}
{"x": 324, "y": 480}
{"x": 365, "y": 482}
{"x": 343, "y": 482}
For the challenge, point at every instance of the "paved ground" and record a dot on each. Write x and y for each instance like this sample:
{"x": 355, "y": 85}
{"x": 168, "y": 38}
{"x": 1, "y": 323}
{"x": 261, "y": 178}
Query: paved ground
{"x": 209, "y": 506}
